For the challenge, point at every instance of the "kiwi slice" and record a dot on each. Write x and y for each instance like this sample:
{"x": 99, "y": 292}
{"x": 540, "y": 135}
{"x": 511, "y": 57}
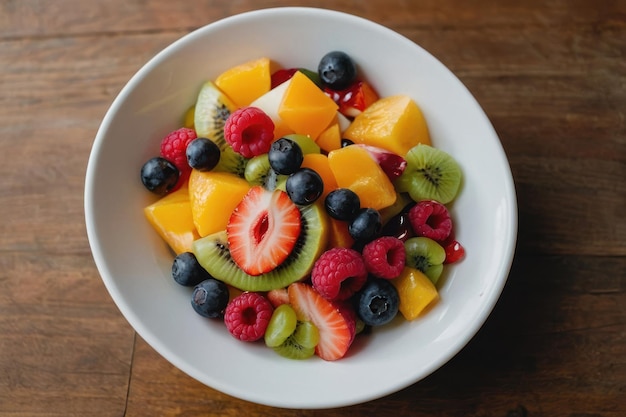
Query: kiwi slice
{"x": 291, "y": 349}
{"x": 213, "y": 254}
{"x": 210, "y": 113}
{"x": 426, "y": 255}
{"x": 259, "y": 172}
{"x": 305, "y": 142}
{"x": 430, "y": 174}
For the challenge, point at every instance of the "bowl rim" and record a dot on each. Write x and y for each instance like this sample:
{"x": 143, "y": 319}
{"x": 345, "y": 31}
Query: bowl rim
{"x": 137, "y": 323}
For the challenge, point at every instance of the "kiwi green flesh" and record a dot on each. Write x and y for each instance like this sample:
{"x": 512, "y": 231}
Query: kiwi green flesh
{"x": 425, "y": 255}
{"x": 210, "y": 114}
{"x": 259, "y": 172}
{"x": 431, "y": 174}
{"x": 307, "y": 145}
{"x": 213, "y": 254}
{"x": 291, "y": 349}
{"x": 211, "y": 111}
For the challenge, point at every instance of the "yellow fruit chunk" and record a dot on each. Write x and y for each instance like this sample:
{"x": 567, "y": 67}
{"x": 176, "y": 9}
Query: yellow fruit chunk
{"x": 355, "y": 169}
{"x": 330, "y": 139}
{"x": 305, "y": 108}
{"x": 395, "y": 123}
{"x": 213, "y": 197}
{"x": 171, "y": 218}
{"x": 246, "y": 82}
{"x": 319, "y": 163}
{"x": 416, "y": 292}
{"x": 338, "y": 234}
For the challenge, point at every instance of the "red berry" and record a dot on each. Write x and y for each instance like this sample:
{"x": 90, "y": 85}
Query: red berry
{"x": 354, "y": 99}
{"x": 174, "y": 147}
{"x": 282, "y": 75}
{"x": 278, "y": 296}
{"x": 335, "y": 321}
{"x": 338, "y": 273}
{"x": 431, "y": 219}
{"x": 385, "y": 257}
{"x": 262, "y": 230}
{"x": 249, "y": 131}
{"x": 454, "y": 251}
{"x": 247, "y": 316}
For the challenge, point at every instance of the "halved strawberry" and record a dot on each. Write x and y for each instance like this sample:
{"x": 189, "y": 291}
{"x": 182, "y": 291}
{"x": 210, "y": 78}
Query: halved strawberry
{"x": 278, "y": 296}
{"x": 336, "y": 323}
{"x": 262, "y": 230}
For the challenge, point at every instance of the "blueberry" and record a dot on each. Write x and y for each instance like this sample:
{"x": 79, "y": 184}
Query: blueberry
{"x": 377, "y": 302}
{"x": 187, "y": 271}
{"x": 159, "y": 175}
{"x": 304, "y": 186}
{"x": 337, "y": 70}
{"x": 209, "y": 298}
{"x": 285, "y": 156}
{"x": 346, "y": 142}
{"x": 203, "y": 154}
{"x": 342, "y": 204}
{"x": 366, "y": 225}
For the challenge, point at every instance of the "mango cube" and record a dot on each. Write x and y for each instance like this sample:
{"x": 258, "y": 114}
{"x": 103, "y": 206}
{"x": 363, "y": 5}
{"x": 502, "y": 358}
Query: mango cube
{"x": 355, "y": 169}
{"x": 213, "y": 196}
{"x": 416, "y": 292}
{"x": 246, "y": 82}
{"x": 395, "y": 123}
{"x": 171, "y": 217}
{"x": 305, "y": 108}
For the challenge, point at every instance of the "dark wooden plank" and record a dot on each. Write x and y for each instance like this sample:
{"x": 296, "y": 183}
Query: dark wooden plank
{"x": 550, "y": 76}
{"x": 32, "y": 18}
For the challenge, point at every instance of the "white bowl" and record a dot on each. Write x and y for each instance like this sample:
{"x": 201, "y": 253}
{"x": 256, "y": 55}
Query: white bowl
{"x": 135, "y": 264}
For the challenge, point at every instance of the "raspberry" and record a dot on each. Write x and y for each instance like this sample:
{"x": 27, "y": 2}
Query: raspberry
{"x": 385, "y": 257}
{"x": 431, "y": 219}
{"x": 247, "y": 316}
{"x": 339, "y": 273}
{"x": 174, "y": 148}
{"x": 249, "y": 131}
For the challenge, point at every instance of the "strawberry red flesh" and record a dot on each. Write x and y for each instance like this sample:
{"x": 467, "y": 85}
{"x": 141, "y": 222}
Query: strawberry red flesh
{"x": 354, "y": 99}
{"x": 262, "y": 230}
{"x": 336, "y": 322}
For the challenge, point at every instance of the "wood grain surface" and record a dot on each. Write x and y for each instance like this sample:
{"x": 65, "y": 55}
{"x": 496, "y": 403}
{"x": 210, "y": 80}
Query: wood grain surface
{"x": 551, "y": 76}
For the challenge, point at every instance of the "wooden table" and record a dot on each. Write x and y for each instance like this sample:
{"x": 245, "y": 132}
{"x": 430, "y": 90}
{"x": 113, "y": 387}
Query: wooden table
{"x": 551, "y": 75}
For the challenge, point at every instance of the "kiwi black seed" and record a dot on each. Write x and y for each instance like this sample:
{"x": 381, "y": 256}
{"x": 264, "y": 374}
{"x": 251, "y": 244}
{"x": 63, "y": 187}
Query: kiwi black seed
{"x": 426, "y": 255}
{"x": 213, "y": 254}
{"x": 259, "y": 172}
{"x": 431, "y": 174}
{"x": 291, "y": 349}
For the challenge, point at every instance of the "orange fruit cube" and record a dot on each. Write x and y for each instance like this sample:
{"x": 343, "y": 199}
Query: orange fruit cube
{"x": 355, "y": 169}
{"x": 246, "y": 82}
{"x": 305, "y": 108}
{"x": 213, "y": 197}
{"x": 416, "y": 292}
{"x": 330, "y": 139}
{"x": 171, "y": 218}
{"x": 338, "y": 234}
{"x": 395, "y": 123}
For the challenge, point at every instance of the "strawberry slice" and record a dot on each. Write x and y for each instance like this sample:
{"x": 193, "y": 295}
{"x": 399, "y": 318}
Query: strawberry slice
{"x": 336, "y": 323}
{"x": 262, "y": 230}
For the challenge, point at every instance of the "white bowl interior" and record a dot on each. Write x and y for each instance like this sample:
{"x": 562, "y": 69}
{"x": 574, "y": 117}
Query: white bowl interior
{"x": 135, "y": 264}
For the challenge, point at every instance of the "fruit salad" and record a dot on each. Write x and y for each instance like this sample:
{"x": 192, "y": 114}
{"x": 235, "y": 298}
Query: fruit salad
{"x": 302, "y": 208}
